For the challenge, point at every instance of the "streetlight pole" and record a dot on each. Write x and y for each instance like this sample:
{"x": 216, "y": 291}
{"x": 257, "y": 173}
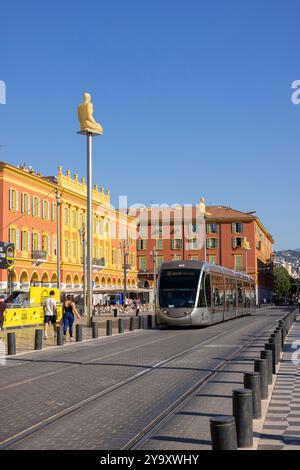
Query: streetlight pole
{"x": 58, "y": 213}
{"x": 83, "y": 242}
{"x": 90, "y": 128}
{"x": 89, "y": 227}
{"x": 154, "y": 279}
{"x": 124, "y": 247}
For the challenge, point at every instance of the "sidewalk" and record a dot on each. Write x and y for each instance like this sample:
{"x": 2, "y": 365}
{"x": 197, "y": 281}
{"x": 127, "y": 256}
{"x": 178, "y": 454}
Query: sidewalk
{"x": 281, "y": 430}
{"x": 25, "y": 336}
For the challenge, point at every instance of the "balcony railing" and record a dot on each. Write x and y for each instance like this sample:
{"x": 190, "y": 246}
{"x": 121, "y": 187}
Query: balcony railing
{"x": 98, "y": 263}
{"x": 39, "y": 255}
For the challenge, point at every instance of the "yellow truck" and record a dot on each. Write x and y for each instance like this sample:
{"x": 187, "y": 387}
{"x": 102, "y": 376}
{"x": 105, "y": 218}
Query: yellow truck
{"x": 27, "y": 308}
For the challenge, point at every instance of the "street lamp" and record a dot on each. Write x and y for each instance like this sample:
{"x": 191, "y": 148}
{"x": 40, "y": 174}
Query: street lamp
{"x": 154, "y": 258}
{"x": 83, "y": 243}
{"x": 58, "y": 205}
{"x": 124, "y": 247}
{"x": 90, "y": 128}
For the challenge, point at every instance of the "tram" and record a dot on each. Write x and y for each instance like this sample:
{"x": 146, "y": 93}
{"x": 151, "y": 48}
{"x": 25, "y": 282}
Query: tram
{"x": 199, "y": 293}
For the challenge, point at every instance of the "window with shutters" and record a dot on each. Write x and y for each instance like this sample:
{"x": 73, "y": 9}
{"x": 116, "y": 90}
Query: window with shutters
{"x": 159, "y": 244}
{"x": 74, "y": 249}
{"x": 67, "y": 216}
{"x": 142, "y": 244}
{"x": 211, "y": 243}
{"x": 237, "y": 242}
{"x": 45, "y": 210}
{"x": 67, "y": 248}
{"x": 238, "y": 266}
{"x": 212, "y": 259}
{"x": 35, "y": 206}
{"x": 24, "y": 240}
{"x": 237, "y": 227}
{"x": 212, "y": 228}
{"x": 142, "y": 263}
{"x": 74, "y": 219}
{"x": 54, "y": 245}
{"x": 25, "y": 209}
{"x": 35, "y": 241}
{"x": 12, "y": 235}
{"x": 45, "y": 242}
{"x": 13, "y": 200}
{"x": 54, "y": 210}
{"x": 176, "y": 244}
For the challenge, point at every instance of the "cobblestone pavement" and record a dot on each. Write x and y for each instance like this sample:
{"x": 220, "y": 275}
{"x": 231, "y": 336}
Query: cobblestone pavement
{"x": 25, "y": 335}
{"x": 281, "y": 429}
{"x": 102, "y": 393}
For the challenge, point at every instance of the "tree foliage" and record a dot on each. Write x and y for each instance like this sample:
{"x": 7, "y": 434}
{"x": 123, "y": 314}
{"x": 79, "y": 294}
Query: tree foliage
{"x": 282, "y": 282}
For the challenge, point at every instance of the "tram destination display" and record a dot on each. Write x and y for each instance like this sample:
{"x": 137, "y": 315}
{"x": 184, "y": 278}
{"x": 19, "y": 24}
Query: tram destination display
{"x": 7, "y": 252}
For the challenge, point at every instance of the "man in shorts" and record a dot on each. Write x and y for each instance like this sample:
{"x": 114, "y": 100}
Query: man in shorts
{"x": 50, "y": 314}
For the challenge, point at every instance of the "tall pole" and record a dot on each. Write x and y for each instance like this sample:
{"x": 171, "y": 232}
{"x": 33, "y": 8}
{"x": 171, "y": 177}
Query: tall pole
{"x": 83, "y": 241}
{"x": 58, "y": 223}
{"x": 89, "y": 228}
{"x": 154, "y": 278}
{"x": 125, "y": 274}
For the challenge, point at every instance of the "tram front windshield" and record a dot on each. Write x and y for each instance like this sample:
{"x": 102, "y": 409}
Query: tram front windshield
{"x": 178, "y": 288}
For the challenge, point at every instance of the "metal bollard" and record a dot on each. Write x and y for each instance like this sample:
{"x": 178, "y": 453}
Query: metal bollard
{"x": 223, "y": 433}
{"x": 115, "y": 312}
{"x": 280, "y": 335}
{"x": 108, "y": 327}
{"x": 149, "y": 321}
{"x": 267, "y": 354}
{"x": 261, "y": 366}
{"x": 78, "y": 333}
{"x": 95, "y": 329}
{"x": 121, "y": 325}
{"x": 131, "y": 324}
{"x": 281, "y": 324}
{"x": 243, "y": 413}
{"x": 59, "y": 336}
{"x": 38, "y": 339}
{"x": 11, "y": 344}
{"x": 274, "y": 340}
{"x": 271, "y": 347}
{"x": 252, "y": 381}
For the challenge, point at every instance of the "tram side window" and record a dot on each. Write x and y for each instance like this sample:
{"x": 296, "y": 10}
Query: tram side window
{"x": 230, "y": 295}
{"x": 218, "y": 291}
{"x": 253, "y": 296}
{"x": 247, "y": 296}
{"x": 240, "y": 294}
{"x": 205, "y": 292}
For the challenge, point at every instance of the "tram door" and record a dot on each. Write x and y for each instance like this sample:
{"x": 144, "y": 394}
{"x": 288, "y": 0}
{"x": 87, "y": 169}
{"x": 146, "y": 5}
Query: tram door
{"x": 230, "y": 305}
{"x": 218, "y": 297}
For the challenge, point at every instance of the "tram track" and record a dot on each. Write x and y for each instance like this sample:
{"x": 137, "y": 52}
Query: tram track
{"x": 140, "y": 437}
{"x": 6, "y": 443}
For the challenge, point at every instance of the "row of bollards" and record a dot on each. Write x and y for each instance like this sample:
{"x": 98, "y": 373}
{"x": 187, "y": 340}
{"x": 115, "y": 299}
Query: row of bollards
{"x": 141, "y": 322}
{"x": 233, "y": 432}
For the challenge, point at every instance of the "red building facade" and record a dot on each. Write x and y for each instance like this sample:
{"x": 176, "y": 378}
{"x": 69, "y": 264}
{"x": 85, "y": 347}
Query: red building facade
{"x": 177, "y": 233}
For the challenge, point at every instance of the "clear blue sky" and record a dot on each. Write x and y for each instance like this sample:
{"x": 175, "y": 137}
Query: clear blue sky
{"x": 194, "y": 98}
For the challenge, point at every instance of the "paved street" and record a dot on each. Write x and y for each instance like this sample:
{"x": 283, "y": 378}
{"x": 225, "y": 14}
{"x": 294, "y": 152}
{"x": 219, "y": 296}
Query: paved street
{"x": 103, "y": 394}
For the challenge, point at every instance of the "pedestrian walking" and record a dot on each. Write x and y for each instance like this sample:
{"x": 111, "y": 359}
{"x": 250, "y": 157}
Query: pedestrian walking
{"x": 137, "y": 307}
{"x": 50, "y": 314}
{"x": 3, "y": 307}
{"x": 69, "y": 316}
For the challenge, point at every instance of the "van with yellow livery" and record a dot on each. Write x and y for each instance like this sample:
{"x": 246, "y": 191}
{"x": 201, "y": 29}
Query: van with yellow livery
{"x": 27, "y": 308}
